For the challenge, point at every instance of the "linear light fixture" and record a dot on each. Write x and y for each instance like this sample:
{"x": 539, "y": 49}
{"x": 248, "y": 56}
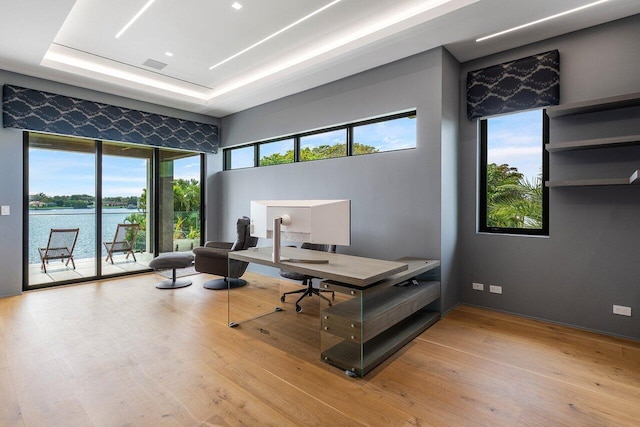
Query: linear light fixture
{"x": 135, "y": 18}
{"x": 359, "y": 33}
{"x": 557, "y": 15}
{"x": 275, "y": 34}
{"x": 76, "y": 60}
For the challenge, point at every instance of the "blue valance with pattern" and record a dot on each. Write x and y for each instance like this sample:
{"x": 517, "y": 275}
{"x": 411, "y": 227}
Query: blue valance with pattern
{"x": 35, "y": 110}
{"x": 526, "y": 83}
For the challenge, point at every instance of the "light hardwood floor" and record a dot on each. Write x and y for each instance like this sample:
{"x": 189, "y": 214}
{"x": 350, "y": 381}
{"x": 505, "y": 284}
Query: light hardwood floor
{"x": 123, "y": 353}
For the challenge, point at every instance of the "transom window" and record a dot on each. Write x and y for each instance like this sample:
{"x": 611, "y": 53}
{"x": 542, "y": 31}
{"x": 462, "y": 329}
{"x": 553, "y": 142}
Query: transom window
{"x": 387, "y": 133}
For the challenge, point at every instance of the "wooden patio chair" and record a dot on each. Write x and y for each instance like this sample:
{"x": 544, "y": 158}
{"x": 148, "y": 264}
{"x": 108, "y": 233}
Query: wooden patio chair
{"x": 60, "y": 246}
{"x": 123, "y": 241}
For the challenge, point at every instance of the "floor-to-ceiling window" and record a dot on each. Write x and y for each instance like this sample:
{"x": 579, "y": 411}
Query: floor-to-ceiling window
{"x": 179, "y": 201}
{"x": 97, "y": 209}
{"x": 62, "y": 195}
{"x": 126, "y": 212}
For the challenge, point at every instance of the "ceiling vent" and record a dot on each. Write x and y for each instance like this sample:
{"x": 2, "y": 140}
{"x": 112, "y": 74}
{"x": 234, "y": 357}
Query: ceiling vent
{"x": 152, "y": 63}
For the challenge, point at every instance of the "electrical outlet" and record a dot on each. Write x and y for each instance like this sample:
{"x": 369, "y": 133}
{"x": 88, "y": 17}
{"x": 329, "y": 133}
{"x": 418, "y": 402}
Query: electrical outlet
{"x": 495, "y": 289}
{"x": 478, "y": 286}
{"x": 6, "y": 210}
{"x": 621, "y": 310}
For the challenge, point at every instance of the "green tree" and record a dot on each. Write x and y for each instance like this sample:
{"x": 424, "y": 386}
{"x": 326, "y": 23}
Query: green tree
{"x": 512, "y": 200}
{"x": 317, "y": 153}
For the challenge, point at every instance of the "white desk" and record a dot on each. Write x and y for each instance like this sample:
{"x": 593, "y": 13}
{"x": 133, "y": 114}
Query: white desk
{"x": 348, "y": 269}
{"x": 371, "y": 318}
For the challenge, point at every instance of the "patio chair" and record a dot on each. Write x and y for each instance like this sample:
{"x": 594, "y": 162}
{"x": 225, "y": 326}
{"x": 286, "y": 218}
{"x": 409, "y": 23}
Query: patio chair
{"x": 123, "y": 241}
{"x": 60, "y": 246}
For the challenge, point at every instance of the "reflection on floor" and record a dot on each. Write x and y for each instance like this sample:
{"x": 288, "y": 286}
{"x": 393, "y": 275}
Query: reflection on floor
{"x": 57, "y": 271}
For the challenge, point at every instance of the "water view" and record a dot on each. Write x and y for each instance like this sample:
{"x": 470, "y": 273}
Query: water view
{"x": 42, "y": 221}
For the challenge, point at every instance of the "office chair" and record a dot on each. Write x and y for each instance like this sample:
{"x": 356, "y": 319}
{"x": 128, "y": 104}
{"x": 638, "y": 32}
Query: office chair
{"x": 306, "y": 280}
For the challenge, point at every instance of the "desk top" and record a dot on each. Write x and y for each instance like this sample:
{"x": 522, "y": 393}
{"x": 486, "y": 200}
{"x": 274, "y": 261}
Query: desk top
{"x": 349, "y": 269}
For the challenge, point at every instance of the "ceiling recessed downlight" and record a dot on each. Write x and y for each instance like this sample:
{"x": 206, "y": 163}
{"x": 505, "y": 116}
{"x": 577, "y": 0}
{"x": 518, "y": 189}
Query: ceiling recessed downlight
{"x": 135, "y": 18}
{"x": 557, "y": 15}
{"x": 168, "y": 53}
{"x": 236, "y": 6}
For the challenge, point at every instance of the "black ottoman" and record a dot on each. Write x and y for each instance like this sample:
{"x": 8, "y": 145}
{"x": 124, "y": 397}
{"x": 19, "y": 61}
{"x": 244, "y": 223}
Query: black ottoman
{"x": 172, "y": 260}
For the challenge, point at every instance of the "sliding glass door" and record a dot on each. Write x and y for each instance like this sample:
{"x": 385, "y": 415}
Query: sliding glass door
{"x": 96, "y": 209}
{"x": 61, "y": 218}
{"x": 126, "y": 213}
{"x": 179, "y": 201}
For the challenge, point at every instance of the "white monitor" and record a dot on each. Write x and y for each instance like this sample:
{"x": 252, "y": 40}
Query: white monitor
{"x": 313, "y": 221}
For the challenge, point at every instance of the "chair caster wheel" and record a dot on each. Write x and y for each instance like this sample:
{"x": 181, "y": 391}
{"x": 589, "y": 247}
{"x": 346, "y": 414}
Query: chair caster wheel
{"x": 298, "y": 309}
{"x": 282, "y": 298}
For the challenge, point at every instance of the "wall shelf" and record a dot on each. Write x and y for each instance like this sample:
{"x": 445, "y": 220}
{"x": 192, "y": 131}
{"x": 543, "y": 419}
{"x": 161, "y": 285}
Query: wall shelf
{"x": 593, "y": 106}
{"x": 634, "y": 179}
{"x": 587, "y": 144}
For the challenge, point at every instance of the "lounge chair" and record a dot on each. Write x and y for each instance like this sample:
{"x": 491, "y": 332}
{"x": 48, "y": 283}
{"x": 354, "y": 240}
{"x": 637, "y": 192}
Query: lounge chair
{"x": 60, "y": 246}
{"x": 123, "y": 241}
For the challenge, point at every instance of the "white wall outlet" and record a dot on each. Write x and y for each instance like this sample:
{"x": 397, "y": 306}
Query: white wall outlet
{"x": 621, "y": 310}
{"x": 478, "y": 286}
{"x": 6, "y": 210}
{"x": 495, "y": 289}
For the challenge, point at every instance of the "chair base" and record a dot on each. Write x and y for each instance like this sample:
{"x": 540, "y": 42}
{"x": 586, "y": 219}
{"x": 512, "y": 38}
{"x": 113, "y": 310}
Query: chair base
{"x": 220, "y": 284}
{"x": 173, "y": 284}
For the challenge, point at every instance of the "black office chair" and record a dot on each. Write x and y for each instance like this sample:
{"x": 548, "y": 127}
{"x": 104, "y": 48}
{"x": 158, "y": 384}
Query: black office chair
{"x": 306, "y": 280}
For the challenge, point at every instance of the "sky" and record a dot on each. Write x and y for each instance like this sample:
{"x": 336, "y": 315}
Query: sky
{"x": 57, "y": 173}
{"x": 516, "y": 139}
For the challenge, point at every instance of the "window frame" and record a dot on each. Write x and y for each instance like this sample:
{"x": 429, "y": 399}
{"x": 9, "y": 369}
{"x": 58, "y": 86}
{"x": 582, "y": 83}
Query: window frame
{"x": 482, "y": 183}
{"x": 349, "y": 127}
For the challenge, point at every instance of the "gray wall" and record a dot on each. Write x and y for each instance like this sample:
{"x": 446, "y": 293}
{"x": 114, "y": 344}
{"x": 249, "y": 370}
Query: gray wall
{"x": 396, "y": 196}
{"x": 11, "y": 188}
{"x": 589, "y": 261}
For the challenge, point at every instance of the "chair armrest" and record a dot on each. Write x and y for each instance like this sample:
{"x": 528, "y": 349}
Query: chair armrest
{"x": 211, "y": 252}
{"x": 218, "y": 245}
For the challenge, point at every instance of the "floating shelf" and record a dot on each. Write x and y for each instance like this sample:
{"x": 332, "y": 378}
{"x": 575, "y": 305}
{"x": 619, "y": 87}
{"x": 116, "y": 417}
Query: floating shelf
{"x": 587, "y": 144}
{"x": 633, "y": 180}
{"x": 603, "y": 104}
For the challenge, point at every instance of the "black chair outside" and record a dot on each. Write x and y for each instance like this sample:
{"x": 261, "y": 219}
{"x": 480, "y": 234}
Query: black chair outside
{"x": 123, "y": 241}
{"x": 212, "y": 258}
{"x": 307, "y": 281}
{"x": 60, "y": 246}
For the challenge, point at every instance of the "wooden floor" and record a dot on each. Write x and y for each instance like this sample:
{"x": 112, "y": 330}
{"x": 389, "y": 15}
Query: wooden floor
{"x": 123, "y": 353}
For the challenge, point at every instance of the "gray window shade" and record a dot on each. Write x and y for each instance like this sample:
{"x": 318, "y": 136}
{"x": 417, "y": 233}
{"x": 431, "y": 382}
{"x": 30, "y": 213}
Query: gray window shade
{"x": 35, "y": 110}
{"x": 526, "y": 83}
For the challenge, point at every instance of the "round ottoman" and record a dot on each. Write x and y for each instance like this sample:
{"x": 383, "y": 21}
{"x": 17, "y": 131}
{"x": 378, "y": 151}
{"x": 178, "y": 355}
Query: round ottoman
{"x": 172, "y": 260}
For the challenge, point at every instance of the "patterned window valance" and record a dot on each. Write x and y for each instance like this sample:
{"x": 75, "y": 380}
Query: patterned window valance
{"x": 513, "y": 86}
{"x": 47, "y": 112}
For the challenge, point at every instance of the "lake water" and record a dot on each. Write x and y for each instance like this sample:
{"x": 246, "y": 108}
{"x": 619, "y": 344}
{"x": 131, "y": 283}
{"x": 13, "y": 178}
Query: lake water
{"x": 42, "y": 221}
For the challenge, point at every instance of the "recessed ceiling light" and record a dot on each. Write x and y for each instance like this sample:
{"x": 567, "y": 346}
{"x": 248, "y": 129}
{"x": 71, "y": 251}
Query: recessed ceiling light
{"x": 541, "y": 20}
{"x": 168, "y": 53}
{"x": 275, "y": 34}
{"x": 236, "y": 6}
{"x": 135, "y": 18}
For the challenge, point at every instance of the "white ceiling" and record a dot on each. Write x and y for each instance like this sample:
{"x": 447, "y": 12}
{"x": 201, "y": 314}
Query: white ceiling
{"x": 348, "y": 37}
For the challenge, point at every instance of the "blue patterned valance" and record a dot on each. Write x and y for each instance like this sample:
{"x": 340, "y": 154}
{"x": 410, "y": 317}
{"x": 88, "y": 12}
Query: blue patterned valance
{"x": 522, "y": 84}
{"x": 47, "y": 112}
